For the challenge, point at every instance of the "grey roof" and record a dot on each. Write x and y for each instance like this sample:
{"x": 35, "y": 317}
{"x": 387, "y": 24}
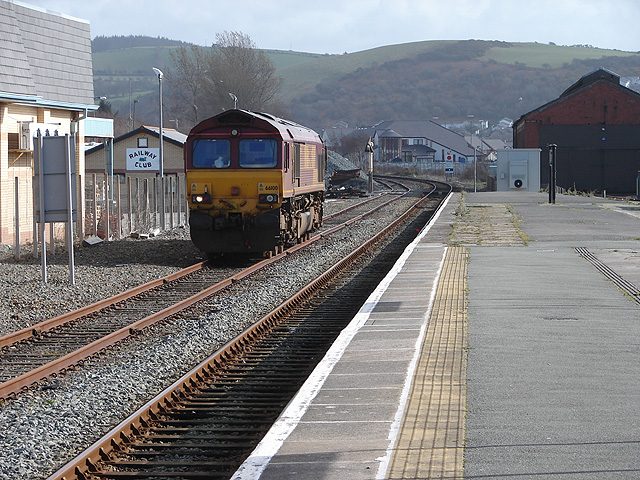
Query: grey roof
{"x": 418, "y": 150}
{"x": 390, "y": 134}
{"x": 45, "y": 54}
{"x": 429, "y": 130}
{"x": 168, "y": 133}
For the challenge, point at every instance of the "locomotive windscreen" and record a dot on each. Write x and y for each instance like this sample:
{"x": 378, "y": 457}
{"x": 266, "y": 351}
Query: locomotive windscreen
{"x": 211, "y": 153}
{"x": 258, "y": 153}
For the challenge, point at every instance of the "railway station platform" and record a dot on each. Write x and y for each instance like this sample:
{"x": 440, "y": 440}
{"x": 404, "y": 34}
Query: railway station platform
{"x": 505, "y": 343}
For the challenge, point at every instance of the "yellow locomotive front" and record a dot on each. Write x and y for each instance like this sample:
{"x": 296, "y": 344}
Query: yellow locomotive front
{"x": 239, "y": 187}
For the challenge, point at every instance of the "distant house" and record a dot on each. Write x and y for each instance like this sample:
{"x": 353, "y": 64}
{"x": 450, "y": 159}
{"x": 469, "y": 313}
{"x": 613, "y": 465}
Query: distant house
{"x": 135, "y": 154}
{"x": 419, "y": 141}
{"x": 46, "y": 83}
{"x": 595, "y": 124}
{"x": 486, "y": 148}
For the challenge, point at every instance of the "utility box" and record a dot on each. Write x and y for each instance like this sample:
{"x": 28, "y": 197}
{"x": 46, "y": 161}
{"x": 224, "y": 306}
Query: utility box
{"x": 518, "y": 170}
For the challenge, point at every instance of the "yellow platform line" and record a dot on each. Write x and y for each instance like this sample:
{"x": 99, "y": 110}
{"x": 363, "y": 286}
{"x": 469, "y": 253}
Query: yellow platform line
{"x": 430, "y": 443}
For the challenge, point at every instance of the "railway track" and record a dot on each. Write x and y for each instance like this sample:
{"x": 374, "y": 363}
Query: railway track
{"x": 38, "y": 352}
{"x": 209, "y": 420}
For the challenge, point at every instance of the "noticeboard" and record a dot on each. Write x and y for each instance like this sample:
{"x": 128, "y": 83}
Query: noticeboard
{"x": 52, "y": 158}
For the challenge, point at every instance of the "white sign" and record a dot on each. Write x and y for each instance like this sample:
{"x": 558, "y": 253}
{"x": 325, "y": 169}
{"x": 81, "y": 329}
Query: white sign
{"x": 143, "y": 159}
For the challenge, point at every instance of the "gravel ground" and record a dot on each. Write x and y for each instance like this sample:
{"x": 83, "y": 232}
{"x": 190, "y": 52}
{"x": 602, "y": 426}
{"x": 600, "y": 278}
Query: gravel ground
{"x": 49, "y": 424}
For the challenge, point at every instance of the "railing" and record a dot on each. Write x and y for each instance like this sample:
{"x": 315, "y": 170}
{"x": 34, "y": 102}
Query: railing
{"x": 134, "y": 206}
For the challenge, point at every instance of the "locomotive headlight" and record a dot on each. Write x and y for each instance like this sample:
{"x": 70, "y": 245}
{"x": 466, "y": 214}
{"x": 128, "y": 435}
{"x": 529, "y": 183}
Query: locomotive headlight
{"x": 268, "y": 198}
{"x": 201, "y": 198}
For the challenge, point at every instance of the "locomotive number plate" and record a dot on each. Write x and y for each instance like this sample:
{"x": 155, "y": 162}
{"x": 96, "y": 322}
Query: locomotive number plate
{"x": 268, "y": 188}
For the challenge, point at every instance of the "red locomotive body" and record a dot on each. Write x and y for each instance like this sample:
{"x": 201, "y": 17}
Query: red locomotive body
{"x": 255, "y": 183}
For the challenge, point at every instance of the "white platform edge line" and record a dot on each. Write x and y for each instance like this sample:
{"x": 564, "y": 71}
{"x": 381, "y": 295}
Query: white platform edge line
{"x": 256, "y": 463}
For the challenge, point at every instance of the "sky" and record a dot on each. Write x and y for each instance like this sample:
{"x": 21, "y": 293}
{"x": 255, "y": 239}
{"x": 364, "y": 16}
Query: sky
{"x": 339, "y": 26}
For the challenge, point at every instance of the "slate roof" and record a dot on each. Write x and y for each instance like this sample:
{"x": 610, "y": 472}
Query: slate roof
{"x": 429, "y": 130}
{"x": 601, "y": 75}
{"x": 170, "y": 135}
{"x": 418, "y": 150}
{"x": 46, "y": 55}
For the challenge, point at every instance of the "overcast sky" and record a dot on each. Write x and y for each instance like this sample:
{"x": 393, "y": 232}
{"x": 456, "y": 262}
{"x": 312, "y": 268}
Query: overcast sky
{"x": 338, "y": 26}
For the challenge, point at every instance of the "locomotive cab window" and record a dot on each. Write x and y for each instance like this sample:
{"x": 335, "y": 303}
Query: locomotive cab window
{"x": 258, "y": 153}
{"x": 211, "y": 153}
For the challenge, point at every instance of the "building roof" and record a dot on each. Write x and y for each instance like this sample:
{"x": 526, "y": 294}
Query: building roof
{"x": 429, "y": 130}
{"x": 170, "y": 135}
{"x": 585, "y": 82}
{"x": 389, "y": 134}
{"x": 601, "y": 74}
{"x": 418, "y": 150}
{"x": 45, "y": 57}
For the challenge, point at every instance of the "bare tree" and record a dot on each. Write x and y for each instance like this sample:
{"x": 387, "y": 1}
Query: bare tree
{"x": 187, "y": 78}
{"x": 207, "y": 81}
{"x": 239, "y": 68}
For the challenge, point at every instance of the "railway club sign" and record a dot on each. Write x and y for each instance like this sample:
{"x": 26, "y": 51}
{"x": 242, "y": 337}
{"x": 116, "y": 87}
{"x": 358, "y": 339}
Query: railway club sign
{"x": 143, "y": 160}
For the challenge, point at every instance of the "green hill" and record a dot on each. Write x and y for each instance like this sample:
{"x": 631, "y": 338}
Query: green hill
{"x": 444, "y": 79}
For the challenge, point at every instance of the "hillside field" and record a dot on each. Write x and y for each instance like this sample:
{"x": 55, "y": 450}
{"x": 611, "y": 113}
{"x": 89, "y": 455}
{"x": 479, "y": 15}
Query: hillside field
{"x": 448, "y": 79}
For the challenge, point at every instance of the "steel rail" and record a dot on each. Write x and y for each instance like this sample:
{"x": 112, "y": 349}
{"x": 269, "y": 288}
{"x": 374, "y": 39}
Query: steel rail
{"x": 51, "y": 323}
{"x": 86, "y": 464}
{"x": 354, "y": 206}
{"x": 14, "y": 385}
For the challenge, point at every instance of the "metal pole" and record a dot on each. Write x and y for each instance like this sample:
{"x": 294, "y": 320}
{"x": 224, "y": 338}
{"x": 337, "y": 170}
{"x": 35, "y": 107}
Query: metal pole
{"x": 138, "y": 204}
{"x": 34, "y": 204}
{"x": 179, "y": 199}
{"x": 79, "y": 200}
{"x": 118, "y": 210}
{"x": 17, "y": 215}
{"x": 171, "y": 202}
{"x": 70, "y": 193}
{"x": 161, "y": 138}
{"x": 475, "y": 167}
{"x": 107, "y": 209}
{"x": 552, "y": 173}
{"x": 130, "y": 200}
{"x": 41, "y": 204}
{"x": 369, "y": 150}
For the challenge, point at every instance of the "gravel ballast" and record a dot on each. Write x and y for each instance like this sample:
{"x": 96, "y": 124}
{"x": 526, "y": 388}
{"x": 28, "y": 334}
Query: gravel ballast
{"x": 46, "y": 426}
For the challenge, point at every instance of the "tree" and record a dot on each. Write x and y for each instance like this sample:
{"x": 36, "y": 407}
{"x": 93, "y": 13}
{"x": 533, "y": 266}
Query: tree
{"x": 187, "y": 79}
{"x": 237, "y": 67}
{"x": 104, "y": 109}
{"x": 204, "y": 82}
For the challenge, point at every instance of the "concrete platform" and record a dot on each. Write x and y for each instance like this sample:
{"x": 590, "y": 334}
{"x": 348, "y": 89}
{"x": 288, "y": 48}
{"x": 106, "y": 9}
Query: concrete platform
{"x": 493, "y": 318}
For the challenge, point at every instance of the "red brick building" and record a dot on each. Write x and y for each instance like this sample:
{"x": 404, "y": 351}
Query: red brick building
{"x": 596, "y": 125}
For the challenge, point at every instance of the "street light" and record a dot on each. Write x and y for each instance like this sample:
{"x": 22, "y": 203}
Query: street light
{"x": 475, "y": 157}
{"x": 159, "y": 73}
{"x": 133, "y": 121}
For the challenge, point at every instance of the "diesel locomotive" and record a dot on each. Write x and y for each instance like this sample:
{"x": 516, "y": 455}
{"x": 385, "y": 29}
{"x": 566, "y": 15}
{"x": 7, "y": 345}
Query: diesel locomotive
{"x": 255, "y": 183}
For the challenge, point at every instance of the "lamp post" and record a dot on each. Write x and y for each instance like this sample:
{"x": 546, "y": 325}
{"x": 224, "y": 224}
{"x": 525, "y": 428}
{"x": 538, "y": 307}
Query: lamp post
{"x": 133, "y": 120}
{"x": 475, "y": 156}
{"x": 159, "y": 73}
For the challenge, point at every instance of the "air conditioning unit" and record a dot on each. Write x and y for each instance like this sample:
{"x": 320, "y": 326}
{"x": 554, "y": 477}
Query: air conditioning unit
{"x": 518, "y": 174}
{"x": 28, "y": 130}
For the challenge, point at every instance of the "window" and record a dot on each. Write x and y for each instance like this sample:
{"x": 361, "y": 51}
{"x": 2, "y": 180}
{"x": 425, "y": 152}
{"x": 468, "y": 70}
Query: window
{"x": 143, "y": 142}
{"x": 211, "y": 153}
{"x": 258, "y": 153}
